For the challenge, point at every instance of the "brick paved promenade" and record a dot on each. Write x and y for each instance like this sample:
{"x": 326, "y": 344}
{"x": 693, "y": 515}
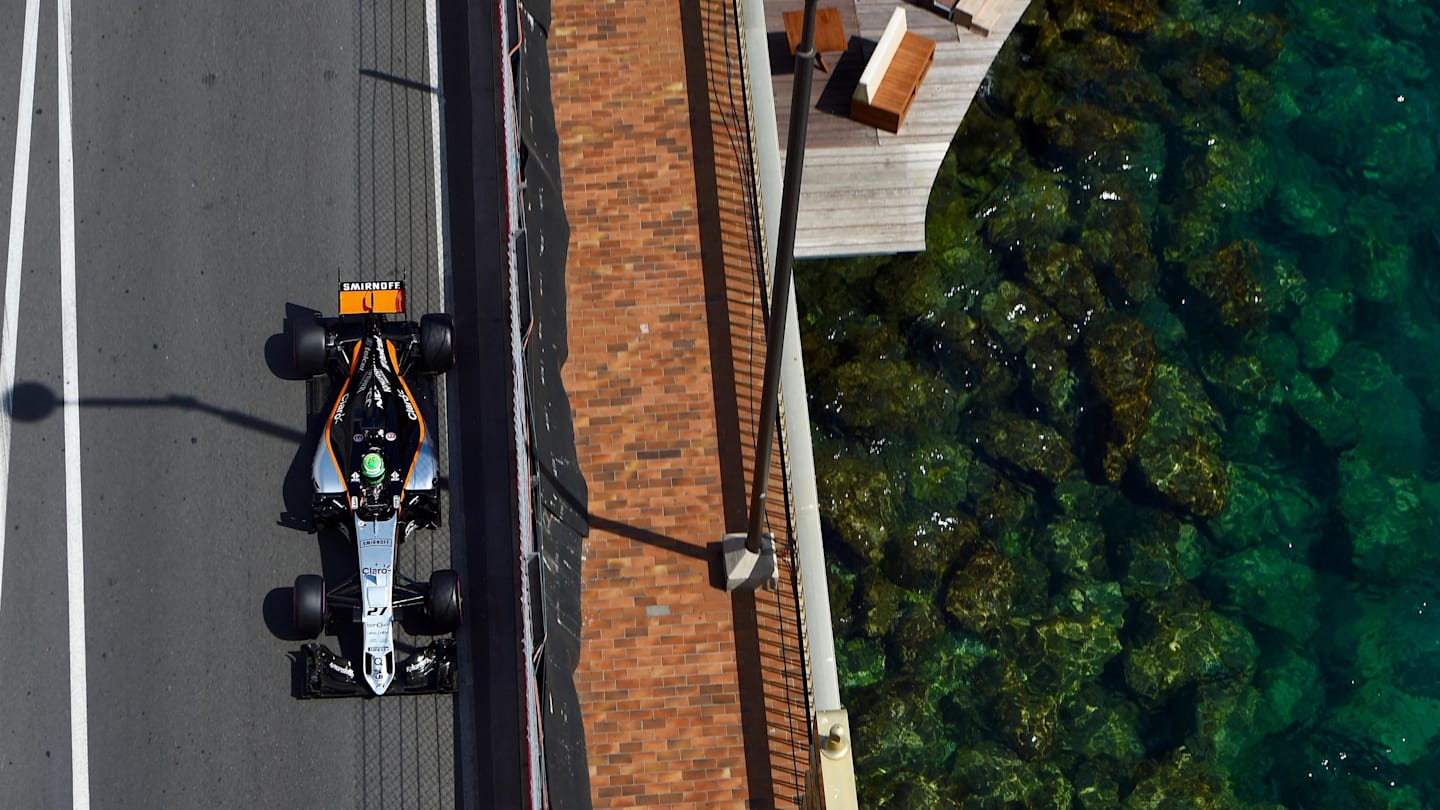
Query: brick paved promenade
{"x": 666, "y": 355}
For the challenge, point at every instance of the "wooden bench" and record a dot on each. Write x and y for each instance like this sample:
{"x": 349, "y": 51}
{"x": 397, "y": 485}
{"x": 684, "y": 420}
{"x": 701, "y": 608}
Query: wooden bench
{"x": 892, "y": 76}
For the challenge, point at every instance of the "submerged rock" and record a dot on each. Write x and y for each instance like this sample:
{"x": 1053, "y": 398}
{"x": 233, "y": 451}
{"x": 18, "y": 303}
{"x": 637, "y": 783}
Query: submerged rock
{"x": 1388, "y": 519}
{"x": 1178, "y": 453}
{"x": 982, "y": 592}
{"x": 1270, "y": 509}
{"x": 1406, "y": 726}
{"x": 1184, "y": 642}
{"x": 1227, "y": 278}
{"x": 1182, "y": 781}
{"x": 858, "y": 500}
{"x": 1120, "y": 358}
{"x": 1273, "y": 589}
{"x": 990, "y": 777}
{"x": 1031, "y": 447}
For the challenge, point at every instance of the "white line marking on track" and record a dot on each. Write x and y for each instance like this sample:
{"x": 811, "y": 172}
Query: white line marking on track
{"x": 19, "y": 191}
{"x": 69, "y": 346}
{"x": 432, "y": 46}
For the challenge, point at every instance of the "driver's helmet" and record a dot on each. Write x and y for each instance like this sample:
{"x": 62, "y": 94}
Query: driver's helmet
{"x": 372, "y": 466}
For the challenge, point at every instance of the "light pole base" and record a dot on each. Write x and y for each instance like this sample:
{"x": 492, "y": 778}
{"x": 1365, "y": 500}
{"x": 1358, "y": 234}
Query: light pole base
{"x": 837, "y": 759}
{"x": 746, "y": 570}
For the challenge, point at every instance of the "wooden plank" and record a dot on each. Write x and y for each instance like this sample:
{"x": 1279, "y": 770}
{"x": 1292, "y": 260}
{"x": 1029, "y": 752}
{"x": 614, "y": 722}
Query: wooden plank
{"x": 866, "y": 191}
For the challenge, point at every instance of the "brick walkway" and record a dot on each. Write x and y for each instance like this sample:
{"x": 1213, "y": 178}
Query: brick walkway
{"x": 664, "y": 368}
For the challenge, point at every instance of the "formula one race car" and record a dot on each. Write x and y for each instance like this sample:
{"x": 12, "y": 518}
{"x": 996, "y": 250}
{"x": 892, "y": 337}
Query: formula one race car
{"x": 376, "y": 478}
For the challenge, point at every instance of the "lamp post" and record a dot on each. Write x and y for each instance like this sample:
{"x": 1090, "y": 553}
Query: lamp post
{"x": 754, "y": 565}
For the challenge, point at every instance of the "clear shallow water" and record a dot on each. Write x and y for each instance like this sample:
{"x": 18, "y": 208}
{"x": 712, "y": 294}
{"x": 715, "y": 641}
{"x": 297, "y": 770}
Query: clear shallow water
{"x": 1131, "y": 480}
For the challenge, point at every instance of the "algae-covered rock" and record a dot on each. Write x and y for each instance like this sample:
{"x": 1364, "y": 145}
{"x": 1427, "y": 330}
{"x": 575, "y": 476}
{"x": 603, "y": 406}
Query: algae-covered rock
{"x": 1074, "y": 645}
{"x": 1123, "y": 16}
{"x": 1028, "y": 721}
{"x": 1003, "y": 505}
{"x": 881, "y": 392}
{"x": 1382, "y": 262}
{"x": 948, "y": 660}
{"x": 1227, "y": 279}
{"x": 1120, "y": 360}
{"x": 1359, "y": 370}
{"x": 1182, "y": 781}
{"x": 1317, "y": 338}
{"x": 1104, "y": 728}
{"x": 1074, "y": 549}
{"x": 903, "y": 729}
{"x": 860, "y": 662}
{"x": 1183, "y": 642}
{"x": 1033, "y": 448}
{"x": 1096, "y": 786}
{"x": 1178, "y": 452}
{"x": 1291, "y": 691}
{"x": 858, "y": 500}
{"x": 1272, "y": 588}
{"x": 990, "y": 777}
{"x": 905, "y": 789}
{"x": 1029, "y": 208}
{"x": 1061, "y": 274}
{"x": 880, "y": 604}
{"x": 1019, "y": 318}
{"x": 1199, "y": 76}
{"x": 921, "y": 625}
{"x": 1117, "y": 238}
{"x": 1226, "y": 735}
{"x": 1240, "y": 382}
{"x": 1190, "y": 551}
{"x": 1331, "y": 417}
{"x": 1392, "y": 436}
{"x": 1166, "y": 329}
{"x": 1394, "y": 639}
{"x": 1405, "y": 726}
{"x": 1146, "y": 555}
{"x": 1307, "y": 198}
{"x": 982, "y": 592}
{"x": 1388, "y": 519}
{"x": 1268, "y": 508}
{"x": 1055, "y": 386}
{"x": 1080, "y": 499}
{"x": 920, "y": 557}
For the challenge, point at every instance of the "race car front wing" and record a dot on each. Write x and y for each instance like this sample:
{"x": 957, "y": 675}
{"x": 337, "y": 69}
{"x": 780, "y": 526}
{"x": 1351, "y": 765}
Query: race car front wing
{"x": 430, "y": 671}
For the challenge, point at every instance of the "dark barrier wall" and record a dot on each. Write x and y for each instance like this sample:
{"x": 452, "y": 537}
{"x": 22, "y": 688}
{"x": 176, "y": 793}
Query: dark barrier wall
{"x": 561, "y": 497}
{"x": 486, "y": 437}
{"x": 484, "y": 502}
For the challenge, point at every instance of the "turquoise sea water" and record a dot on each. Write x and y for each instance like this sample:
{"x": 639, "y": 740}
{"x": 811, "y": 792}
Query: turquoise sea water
{"x": 1132, "y": 480}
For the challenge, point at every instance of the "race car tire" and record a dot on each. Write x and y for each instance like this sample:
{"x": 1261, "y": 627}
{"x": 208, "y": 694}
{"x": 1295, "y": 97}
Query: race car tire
{"x": 307, "y": 344}
{"x": 443, "y": 601}
{"x": 437, "y": 344}
{"x": 309, "y": 612}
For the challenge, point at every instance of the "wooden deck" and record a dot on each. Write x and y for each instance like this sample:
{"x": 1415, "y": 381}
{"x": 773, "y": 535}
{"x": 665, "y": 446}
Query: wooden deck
{"x": 866, "y": 191}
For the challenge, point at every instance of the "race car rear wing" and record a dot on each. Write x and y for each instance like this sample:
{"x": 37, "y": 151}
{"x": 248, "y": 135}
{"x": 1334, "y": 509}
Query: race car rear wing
{"x": 367, "y": 297}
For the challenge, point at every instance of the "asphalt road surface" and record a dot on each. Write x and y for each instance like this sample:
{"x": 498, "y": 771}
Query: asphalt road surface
{"x": 231, "y": 163}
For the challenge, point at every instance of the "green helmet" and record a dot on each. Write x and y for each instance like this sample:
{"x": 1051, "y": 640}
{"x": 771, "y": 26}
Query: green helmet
{"x": 372, "y": 466}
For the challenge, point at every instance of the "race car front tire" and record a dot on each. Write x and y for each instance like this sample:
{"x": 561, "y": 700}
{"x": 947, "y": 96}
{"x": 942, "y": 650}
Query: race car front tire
{"x": 437, "y": 343}
{"x": 309, "y": 612}
{"x": 443, "y": 601}
{"x": 307, "y": 346}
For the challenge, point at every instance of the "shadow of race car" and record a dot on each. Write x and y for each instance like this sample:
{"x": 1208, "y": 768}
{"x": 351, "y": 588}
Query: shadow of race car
{"x": 376, "y": 479}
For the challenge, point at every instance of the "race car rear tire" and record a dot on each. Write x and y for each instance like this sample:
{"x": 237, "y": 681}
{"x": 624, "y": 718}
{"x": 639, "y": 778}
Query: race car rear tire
{"x": 307, "y": 345}
{"x": 309, "y": 612}
{"x": 437, "y": 343}
{"x": 443, "y": 601}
